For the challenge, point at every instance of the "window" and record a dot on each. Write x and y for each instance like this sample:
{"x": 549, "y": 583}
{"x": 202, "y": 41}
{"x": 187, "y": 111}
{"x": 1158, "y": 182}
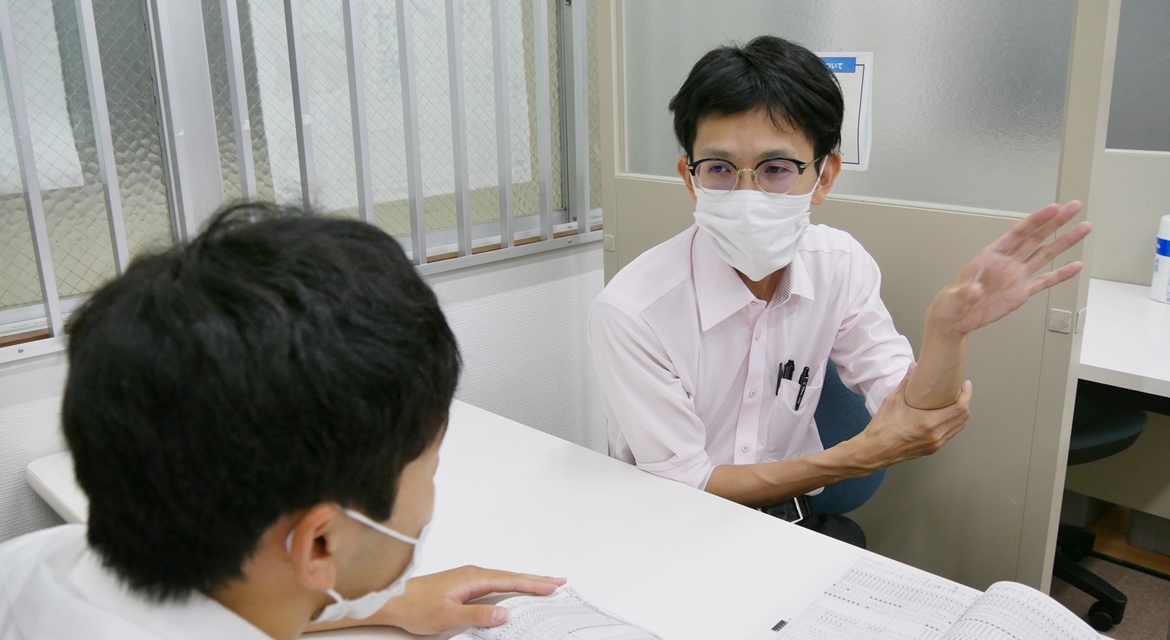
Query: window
{"x": 462, "y": 127}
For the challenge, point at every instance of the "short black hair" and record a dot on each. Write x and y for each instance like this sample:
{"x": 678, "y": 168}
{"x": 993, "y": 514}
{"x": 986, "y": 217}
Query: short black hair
{"x": 788, "y": 80}
{"x": 278, "y": 361}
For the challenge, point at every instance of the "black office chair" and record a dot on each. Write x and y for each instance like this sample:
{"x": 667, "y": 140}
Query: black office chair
{"x": 1100, "y": 429}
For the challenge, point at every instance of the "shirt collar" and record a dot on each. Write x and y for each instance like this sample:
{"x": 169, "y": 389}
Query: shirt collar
{"x": 720, "y": 292}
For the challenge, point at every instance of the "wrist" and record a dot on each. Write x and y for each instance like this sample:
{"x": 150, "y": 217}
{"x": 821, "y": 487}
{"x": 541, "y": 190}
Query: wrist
{"x": 855, "y": 457}
{"x": 937, "y": 328}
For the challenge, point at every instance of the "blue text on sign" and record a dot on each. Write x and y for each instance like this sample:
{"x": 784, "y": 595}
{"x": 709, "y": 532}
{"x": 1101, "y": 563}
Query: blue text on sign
{"x": 841, "y": 65}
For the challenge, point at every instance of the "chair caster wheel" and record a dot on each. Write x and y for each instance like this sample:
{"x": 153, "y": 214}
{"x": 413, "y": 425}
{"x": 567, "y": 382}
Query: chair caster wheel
{"x": 1100, "y": 618}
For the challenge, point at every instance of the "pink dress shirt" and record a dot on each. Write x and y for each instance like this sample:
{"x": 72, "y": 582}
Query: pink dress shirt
{"x": 688, "y": 358}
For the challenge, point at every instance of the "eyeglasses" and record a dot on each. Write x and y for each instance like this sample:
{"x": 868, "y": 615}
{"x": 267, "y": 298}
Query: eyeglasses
{"x": 778, "y": 176}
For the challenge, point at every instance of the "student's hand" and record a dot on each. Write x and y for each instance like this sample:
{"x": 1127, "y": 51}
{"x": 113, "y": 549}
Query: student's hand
{"x": 437, "y": 602}
{"x": 1003, "y": 276}
{"x": 900, "y": 432}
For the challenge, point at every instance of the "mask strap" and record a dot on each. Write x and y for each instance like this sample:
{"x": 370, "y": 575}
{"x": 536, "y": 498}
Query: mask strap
{"x": 366, "y": 520}
{"x": 377, "y": 526}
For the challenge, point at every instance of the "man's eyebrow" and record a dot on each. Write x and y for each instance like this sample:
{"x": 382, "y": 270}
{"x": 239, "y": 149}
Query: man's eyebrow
{"x": 781, "y": 152}
{"x": 710, "y": 152}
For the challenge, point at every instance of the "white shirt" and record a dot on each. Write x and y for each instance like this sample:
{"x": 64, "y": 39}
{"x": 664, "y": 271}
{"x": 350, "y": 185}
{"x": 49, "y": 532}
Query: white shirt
{"x": 54, "y": 587}
{"x": 689, "y": 359}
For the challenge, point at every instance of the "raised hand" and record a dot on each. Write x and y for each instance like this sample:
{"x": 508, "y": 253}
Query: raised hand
{"x": 1004, "y": 275}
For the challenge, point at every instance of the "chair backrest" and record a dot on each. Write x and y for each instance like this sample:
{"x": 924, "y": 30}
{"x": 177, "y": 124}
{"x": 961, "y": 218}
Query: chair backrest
{"x": 840, "y": 415}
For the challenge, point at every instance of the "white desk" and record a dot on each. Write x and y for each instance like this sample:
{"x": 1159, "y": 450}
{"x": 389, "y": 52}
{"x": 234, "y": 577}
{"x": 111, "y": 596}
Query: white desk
{"x": 680, "y": 562}
{"x": 1127, "y": 338}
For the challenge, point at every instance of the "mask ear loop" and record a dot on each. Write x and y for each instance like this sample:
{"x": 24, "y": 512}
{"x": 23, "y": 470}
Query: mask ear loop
{"x": 366, "y": 520}
{"x": 377, "y": 526}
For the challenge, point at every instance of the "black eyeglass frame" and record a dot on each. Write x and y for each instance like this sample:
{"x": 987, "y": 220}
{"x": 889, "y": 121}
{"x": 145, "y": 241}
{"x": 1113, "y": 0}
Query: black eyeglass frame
{"x": 800, "y": 166}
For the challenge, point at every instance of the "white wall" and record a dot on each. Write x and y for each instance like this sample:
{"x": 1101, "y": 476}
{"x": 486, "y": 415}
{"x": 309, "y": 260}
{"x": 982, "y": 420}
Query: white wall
{"x": 520, "y": 326}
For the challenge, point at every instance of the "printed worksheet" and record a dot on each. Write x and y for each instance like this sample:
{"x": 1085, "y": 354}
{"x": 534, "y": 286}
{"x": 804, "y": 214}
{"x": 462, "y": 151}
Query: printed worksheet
{"x": 1012, "y": 611}
{"x": 885, "y": 600}
{"x": 874, "y": 600}
{"x": 564, "y": 615}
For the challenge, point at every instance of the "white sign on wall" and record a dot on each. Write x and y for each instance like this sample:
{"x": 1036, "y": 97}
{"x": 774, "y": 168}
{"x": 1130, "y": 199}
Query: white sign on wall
{"x": 854, "y": 71}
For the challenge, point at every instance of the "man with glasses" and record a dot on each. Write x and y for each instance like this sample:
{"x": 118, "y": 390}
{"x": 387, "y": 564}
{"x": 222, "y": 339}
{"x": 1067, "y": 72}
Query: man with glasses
{"x": 712, "y": 347}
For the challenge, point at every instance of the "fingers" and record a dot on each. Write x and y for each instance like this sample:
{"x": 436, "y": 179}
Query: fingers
{"x": 1012, "y": 240}
{"x": 1048, "y": 252}
{"x": 475, "y": 615}
{"x": 1024, "y": 236}
{"x": 481, "y": 582}
{"x": 1043, "y": 232}
{"x": 1052, "y": 278}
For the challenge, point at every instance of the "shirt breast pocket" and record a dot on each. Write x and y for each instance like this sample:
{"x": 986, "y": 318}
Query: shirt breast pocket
{"x": 790, "y": 430}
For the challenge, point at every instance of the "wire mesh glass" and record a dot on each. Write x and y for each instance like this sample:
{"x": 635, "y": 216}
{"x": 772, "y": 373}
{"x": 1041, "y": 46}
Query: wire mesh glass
{"x": 270, "y": 103}
{"x": 327, "y": 67}
{"x": 384, "y": 126}
{"x": 134, "y": 126}
{"x": 558, "y": 186}
{"x": 594, "y": 108}
{"x": 48, "y": 46}
{"x": 479, "y": 102}
{"x": 434, "y": 111}
{"x": 217, "y": 64}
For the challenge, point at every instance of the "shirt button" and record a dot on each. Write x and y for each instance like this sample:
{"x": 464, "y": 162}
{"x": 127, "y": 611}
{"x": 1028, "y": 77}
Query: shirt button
{"x": 755, "y": 303}
{"x": 752, "y": 393}
{"x": 758, "y": 334}
{"x": 744, "y": 448}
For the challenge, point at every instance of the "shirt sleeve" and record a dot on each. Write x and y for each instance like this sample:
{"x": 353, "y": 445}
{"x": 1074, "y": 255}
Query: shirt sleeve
{"x": 645, "y": 397}
{"x": 871, "y": 356}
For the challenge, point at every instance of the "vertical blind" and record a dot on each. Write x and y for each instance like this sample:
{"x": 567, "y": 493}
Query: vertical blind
{"x": 466, "y": 128}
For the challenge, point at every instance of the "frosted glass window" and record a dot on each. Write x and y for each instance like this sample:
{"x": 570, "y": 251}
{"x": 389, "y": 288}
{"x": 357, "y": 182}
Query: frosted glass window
{"x": 265, "y": 55}
{"x": 1139, "y": 113}
{"x": 968, "y": 97}
{"x": 48, "y": 47}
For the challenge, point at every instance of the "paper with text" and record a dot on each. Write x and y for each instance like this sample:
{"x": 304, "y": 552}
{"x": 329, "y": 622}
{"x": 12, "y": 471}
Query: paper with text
{"x": 564, "y": 615}
{"x": 885, "y": 600}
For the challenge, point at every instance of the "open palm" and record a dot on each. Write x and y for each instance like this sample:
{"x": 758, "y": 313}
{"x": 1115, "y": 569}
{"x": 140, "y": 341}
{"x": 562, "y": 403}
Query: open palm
{"x": 1004, "y": 275}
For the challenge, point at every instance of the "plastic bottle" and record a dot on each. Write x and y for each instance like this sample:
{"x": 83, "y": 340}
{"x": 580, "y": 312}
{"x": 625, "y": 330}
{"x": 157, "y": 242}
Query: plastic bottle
{"x": 1160, "y": 287}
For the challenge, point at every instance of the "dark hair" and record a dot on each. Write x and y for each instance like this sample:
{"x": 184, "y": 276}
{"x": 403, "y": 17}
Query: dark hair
{"x": 791, "y": 82}
{"x": 278, "y": 361}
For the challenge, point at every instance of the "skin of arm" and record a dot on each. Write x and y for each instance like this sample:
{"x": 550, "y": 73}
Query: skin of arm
{"x": 438, "y": 602}
{"x": 898, "y": 432}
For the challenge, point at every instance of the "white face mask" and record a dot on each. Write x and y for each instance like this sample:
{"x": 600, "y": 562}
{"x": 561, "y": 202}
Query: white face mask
{"x": 754, "y": 232}
{"x": 369, "y": 604}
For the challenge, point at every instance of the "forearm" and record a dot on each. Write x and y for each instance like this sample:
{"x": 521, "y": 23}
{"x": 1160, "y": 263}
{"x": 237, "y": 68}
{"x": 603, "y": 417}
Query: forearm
{"x": 938, "y": 376}
{"x": 765, "y": 483}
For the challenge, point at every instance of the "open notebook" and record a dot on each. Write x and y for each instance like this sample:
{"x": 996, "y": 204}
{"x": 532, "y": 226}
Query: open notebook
{"x": 889, "y": 601}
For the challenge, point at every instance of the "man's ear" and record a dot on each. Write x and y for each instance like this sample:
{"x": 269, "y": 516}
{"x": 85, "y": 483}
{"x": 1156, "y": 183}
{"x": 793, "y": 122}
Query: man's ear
{"x": 312, "y": 544}
{"x": 828, "y": 176}
{"x": 684, "y": 172}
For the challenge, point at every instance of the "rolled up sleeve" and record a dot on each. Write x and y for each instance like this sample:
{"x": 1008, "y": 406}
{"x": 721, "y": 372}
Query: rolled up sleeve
{"x": 644, "y": 398}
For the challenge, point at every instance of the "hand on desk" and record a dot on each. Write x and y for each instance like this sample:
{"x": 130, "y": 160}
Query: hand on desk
{"x": 437, "y": 602}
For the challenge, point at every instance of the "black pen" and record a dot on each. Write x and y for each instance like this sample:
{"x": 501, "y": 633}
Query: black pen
{"x": 803, "y": 386}
{"x": 785, "y": 373}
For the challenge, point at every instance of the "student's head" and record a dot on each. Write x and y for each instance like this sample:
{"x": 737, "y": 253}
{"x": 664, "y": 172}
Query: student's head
{"x": 768, "y": 98}
{"x": 239, "y": 391}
